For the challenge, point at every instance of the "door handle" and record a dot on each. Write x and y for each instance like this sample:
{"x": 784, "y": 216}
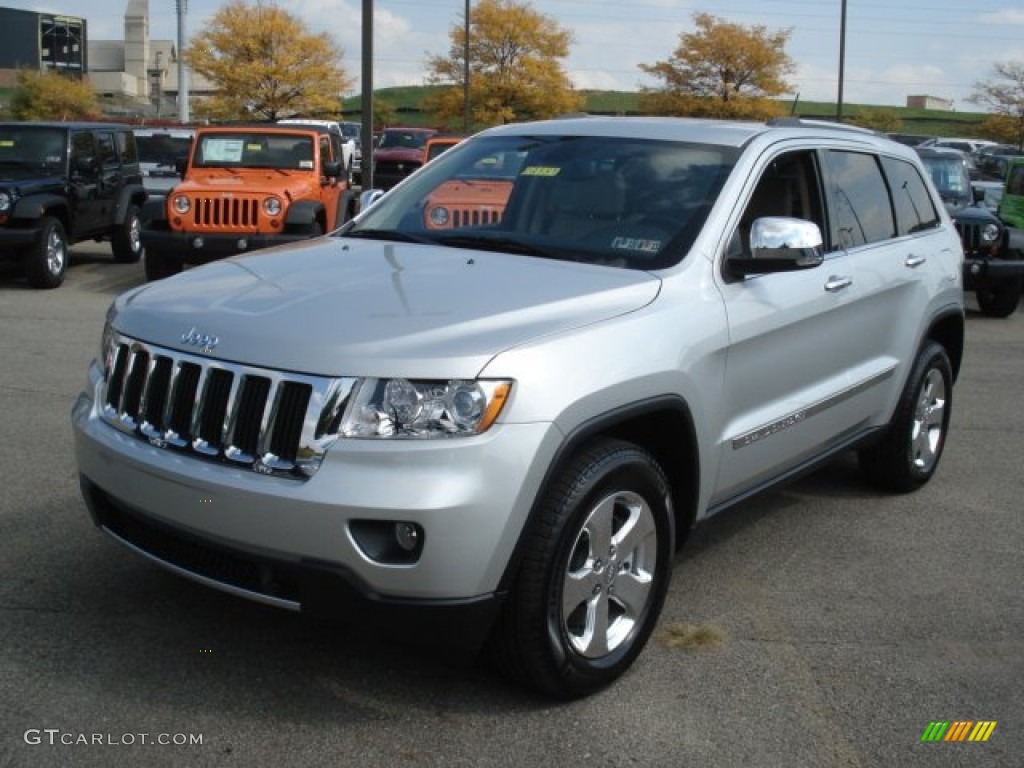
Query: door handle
{"x": 915, "y": 261}
{"x": 837, "y": 283}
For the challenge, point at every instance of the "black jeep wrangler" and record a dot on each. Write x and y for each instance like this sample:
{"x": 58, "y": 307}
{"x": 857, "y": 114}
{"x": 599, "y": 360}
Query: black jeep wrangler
{"x": 993, "y": 252}
{"x": 61, "y": 183}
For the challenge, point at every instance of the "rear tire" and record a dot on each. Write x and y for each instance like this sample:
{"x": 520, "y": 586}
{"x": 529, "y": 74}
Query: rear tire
{"x": 909, "y": 453}
{"x": 125, "y": 241}
{"x": 46, "y": 261}
{"x": 159, "y": 265}
{"x": 594, "y": 574}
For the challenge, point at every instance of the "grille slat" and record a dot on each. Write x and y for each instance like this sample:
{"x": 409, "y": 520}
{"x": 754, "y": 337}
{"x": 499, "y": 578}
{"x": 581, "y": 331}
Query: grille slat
{"x": 267, "y": 420}
{"x": 230, "y": 212}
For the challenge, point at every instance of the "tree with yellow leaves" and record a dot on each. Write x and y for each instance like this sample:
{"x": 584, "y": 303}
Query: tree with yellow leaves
{"x": 721, "y": 69}
{"x": 50, "y": 95}
{"x": 515, "y": 67}
{"x": 266, "y": 65}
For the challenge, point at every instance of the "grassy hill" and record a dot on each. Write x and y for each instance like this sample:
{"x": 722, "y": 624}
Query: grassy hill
{"x": 406, "y": 102}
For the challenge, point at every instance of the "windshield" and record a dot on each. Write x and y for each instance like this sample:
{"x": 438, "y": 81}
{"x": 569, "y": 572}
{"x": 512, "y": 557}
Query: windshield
{"x": 162, "y": 148}
{"x": 949, "y": 176}
{"x": 403, "y": 139}
{"x": 254, "y": 150}
{"x": 632, "y": 203}
{"x": 29, "y": 147}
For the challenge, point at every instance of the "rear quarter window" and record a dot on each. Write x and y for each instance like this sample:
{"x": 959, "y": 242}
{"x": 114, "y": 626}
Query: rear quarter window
{"x": 914, "y": 208}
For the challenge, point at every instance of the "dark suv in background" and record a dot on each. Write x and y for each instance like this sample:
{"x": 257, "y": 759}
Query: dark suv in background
{"x": 993, "y": 263}
{"x": 61, "y": 183}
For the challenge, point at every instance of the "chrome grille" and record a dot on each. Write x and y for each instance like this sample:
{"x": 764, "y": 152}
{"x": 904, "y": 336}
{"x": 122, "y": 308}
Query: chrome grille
{"x": 272, "y": 422}
{"x": 226, "y": 212}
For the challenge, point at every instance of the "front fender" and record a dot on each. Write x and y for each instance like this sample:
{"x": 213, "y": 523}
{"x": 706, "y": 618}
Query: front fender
{"x": 303, "y": 212}
{"x": 131, "y": 194}
{"x": 34, "y": 207}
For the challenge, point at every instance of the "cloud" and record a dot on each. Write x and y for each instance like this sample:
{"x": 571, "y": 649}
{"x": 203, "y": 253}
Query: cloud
{"x": 1007, "y": 16}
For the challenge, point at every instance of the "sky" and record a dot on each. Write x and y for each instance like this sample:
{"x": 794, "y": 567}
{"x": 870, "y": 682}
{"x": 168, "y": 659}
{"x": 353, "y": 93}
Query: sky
{"x": 934, "y": 47}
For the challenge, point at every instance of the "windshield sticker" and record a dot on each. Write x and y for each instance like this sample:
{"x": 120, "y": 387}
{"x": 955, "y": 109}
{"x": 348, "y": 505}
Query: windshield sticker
{"x": 222, "y": 150}
{"x": 306, "y": 164}
{"x": 6, "y": 142}
{"x": 636, "y": 244}
{"x": 254, "y": 147}
{"x": 540, "y": 170}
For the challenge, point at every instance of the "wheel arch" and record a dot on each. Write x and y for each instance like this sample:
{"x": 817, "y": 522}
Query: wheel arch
{"x": 132, "y": 194}
{"x": 35, "y": 207}
{"x": 664, "y": 427}
{"x": 948, "y": 330}
{"x": 304, "y": 213}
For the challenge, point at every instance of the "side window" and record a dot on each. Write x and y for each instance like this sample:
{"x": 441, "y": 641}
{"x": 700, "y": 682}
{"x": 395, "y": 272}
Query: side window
{"x": 862, "y": 212}
{"x": 126, "y": 147}
{"x": 83, "y": 150}
{"x": 911, "y": 201}
{"x": 325, "y": 149}
{"x": 789, "y": 187}
{"x": 105, "y": 146}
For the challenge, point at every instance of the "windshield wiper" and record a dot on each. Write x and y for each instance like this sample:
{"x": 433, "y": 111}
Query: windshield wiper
{"x": 496, "y": 243}
{"x": 388, "y": 234}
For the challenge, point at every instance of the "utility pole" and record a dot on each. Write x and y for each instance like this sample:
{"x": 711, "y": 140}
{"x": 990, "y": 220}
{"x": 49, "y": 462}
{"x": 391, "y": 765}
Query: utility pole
{"x": 367, "y": 101}
{"x": 842, "y": 62}
{"x": 465, "y": 77}
{"x": 183, "y": 117}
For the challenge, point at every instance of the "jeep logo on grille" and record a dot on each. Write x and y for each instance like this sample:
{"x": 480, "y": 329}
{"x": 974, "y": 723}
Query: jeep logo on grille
{"x": 194, "y": 338}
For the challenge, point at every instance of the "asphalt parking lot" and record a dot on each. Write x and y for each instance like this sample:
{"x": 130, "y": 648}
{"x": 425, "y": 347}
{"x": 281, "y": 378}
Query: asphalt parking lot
{"x": 838, "y": 623}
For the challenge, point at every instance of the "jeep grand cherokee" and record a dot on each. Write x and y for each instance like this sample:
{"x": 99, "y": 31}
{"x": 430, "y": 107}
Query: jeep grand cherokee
{"x": 510, "y": 426}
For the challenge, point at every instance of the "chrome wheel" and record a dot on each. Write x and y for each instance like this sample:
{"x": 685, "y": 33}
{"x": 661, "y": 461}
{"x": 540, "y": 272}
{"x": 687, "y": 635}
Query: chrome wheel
{"x": 56, "y": 252}
{"x": 929, "y": 421}
{"x": 610, "y": 574}
{"x": 595, "y": 569}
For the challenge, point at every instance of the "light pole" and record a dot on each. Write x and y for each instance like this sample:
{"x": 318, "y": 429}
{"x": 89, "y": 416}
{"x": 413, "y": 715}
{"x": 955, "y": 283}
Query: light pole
{"x": 183, "y": 117}
{"x": 465, "y": 75}
{"x": 842, "y": 62}
{"x": 366, "y": 139}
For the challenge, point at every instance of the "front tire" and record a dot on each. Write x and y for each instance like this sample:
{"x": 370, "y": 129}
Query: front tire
{"x": 593, "y": 576}
{"x": 126, "y": 242}
{"x": 46, "y": 262}
{"x": 999, "y": 299}
{"x": 909, "y": 453}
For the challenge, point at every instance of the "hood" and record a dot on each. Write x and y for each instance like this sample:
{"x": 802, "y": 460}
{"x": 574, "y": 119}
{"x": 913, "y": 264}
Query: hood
{"x": 31, "y": 181}
{"x": 334, "y": 306}
{"x": 398, "y": 153}
{"x": 248, "y": 181}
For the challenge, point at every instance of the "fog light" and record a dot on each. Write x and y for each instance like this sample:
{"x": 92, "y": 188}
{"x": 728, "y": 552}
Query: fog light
{"x": 408, "y": 536}
{"x": 197, "y": 242}
{"x": 242, "y": 244}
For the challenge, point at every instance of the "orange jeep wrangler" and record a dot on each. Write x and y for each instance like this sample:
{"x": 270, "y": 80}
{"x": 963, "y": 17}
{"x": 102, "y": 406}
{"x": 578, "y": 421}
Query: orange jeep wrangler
{"x": 245, "y": 188}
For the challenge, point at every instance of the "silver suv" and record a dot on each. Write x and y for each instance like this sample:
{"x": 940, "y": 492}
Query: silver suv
{"x": 496, "y": 402}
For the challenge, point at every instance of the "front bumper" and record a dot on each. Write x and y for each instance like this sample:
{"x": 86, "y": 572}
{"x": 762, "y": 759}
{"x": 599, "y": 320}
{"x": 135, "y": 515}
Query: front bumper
{"x": 17, "y": 239}
{"x": 201, "y": 247}
{"x": 292, "y": 543}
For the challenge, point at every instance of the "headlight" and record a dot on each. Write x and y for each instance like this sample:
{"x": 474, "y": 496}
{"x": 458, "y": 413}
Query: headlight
{"x": 5, "y": 202}
{"x": 439, "y": 216}
{"x": 272, "y": 206}
{"x": 181, "y": 204}
{"x": 990, "y": 233}
{"x": 424, "y": 409}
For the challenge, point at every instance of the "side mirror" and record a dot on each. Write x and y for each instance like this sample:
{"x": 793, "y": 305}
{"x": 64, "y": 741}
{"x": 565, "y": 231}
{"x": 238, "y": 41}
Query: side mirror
{"x": 779, "y": 244}
{"x": 181, "y": 165}
{"x": 369, "y": 197}
{"x": 332, "y": 168}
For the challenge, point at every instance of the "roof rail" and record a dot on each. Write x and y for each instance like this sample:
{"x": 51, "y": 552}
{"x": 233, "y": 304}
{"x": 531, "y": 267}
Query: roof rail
{"x": 797, "y": 122}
